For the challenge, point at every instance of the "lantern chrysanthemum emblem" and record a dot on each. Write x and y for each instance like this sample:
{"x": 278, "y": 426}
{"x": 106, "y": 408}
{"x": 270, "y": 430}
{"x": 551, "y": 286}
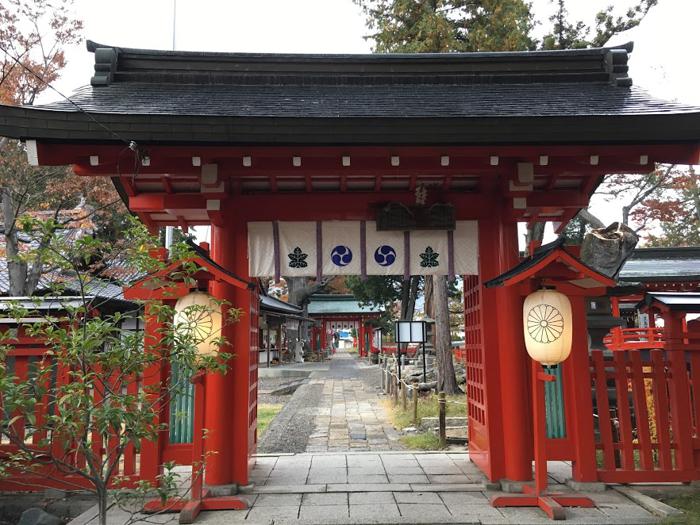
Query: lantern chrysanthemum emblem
{"x": 545, "y": 324}
{"x": 198, "y": 319}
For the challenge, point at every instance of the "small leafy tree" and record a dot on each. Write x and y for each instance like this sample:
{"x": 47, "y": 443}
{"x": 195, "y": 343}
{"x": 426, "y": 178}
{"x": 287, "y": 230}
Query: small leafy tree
{"x": 674, "y": 213}
{"x": 83, "y": 404}
{"x": 662, "y": 205}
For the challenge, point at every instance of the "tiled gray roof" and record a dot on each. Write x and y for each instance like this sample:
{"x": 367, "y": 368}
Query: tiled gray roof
{"x": 569, "y": 96}
{"x": 649, "y": 264}
{"x": 93, "y": 287}
{"x": 324, "y": 304}
{"x": 271, "y": 304}
{"x": 350, "y": 101}
{"x": 684, "y": 301}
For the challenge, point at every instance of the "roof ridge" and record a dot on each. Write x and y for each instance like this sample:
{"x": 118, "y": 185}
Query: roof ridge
{"x": 667, "y": 251}
{"x": 117, "y": 64}
{"x": 92, "y": 46}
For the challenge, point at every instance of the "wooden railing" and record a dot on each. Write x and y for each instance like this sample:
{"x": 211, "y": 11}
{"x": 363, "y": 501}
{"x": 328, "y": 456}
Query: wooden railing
{"x": 460, "y": 354}
{"x": 31, "y": 431}
{"x": 410, "y": 351}
{"x": 647, "y": 408}
{"x": 634, "y": 339}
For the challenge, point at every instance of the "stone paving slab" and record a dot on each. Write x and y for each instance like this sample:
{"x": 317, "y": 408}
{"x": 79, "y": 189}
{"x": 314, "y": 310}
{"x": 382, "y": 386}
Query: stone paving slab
{"x": 349, "y": 414}
{"x": 345, "y": 482}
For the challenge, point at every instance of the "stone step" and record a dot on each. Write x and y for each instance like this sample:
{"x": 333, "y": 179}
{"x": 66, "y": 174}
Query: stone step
{"x": 451, "y": 421}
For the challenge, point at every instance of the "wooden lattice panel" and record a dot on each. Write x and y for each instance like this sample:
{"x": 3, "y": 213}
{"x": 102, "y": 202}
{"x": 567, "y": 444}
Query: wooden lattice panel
{"x": 473, "y": 342}
{"x": 253, "y": 370}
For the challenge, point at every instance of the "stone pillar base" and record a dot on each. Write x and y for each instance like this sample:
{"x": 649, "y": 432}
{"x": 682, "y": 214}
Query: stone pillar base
{"x": 513, "y": 487}
{"x": 586, "y": 486}
{"x": 218, "y": 491}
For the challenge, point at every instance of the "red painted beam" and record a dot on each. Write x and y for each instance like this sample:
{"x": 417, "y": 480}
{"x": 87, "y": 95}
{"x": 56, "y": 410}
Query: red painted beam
{"x": 365, "y": 166}
{"x": 557, "y": 199}
{"x": 310, "y": 206}
{"x": 59, "y": 154}
{"x": 157, "y": 202}
{"x": 348, "y": 206}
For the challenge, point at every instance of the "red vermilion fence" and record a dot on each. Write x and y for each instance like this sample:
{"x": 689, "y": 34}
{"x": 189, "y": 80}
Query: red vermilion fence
{"x": 24, "y": 364}
{"x": 460, "y": 354}
{"x": 634, "y": 338}
{"x": 410, "y": 351}
{"x": 647, "y": 401}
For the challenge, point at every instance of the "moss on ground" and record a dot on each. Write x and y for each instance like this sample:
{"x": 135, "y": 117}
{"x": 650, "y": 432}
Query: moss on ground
{"x": 689, "y": 504}
{"x": 421, "y": 441}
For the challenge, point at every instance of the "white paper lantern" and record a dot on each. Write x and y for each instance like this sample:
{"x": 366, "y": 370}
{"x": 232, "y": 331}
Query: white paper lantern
{"x": 199, "y": 312}
{"x": 547, "y": 326}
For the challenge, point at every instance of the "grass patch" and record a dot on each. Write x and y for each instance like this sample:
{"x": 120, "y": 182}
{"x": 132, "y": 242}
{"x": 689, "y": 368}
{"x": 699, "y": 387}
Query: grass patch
{"x": 266, "y": 413}
{"x": 689, "y": 504}
{"x": 427, "y": 407}
{"x": 421, "y": 441}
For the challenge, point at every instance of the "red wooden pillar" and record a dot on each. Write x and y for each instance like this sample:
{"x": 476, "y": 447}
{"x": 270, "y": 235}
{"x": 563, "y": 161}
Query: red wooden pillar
{"x": 228, "y": 397}
{"x": 362, "y": 339}
{"x": 244, "y": 368}
{"x": 505, "y": 358}
{"x": 323, "y": 335}
{"x": 278, "y": 341}
{"x": 154, "y": 379}
{"x": 615, "y": 306}
{"x": 220, "y": 387}
{"x": 579, "y": 402}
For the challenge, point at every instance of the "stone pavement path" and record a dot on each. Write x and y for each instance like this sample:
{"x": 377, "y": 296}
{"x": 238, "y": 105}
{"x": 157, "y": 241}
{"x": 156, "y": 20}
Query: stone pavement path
{"x": 350, "y": 415}
{"x": 399, "y": 487}
{"x": 338, "y": 409}
{"x": 387, "y": 488}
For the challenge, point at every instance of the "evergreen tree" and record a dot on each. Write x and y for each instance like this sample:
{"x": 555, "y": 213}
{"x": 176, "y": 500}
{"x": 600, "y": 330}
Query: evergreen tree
{"x": 438, "y": 26}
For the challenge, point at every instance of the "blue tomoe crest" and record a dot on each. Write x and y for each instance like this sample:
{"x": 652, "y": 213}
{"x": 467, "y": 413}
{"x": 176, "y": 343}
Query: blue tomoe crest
{"x": 341, "y": 255}
{"x": 385, "y": 255}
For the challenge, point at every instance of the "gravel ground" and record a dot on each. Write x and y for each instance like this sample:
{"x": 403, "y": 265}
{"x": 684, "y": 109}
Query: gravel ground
{"x": 272, "y": 383}
{"x": 268, "y": 384}
{"x": 290, "y": 430}
{"x": 267, "y": 399}
{"x": 371, "y": 376}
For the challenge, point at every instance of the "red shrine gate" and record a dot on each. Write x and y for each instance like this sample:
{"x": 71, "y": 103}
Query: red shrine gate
{"x": 500, "y": 138}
